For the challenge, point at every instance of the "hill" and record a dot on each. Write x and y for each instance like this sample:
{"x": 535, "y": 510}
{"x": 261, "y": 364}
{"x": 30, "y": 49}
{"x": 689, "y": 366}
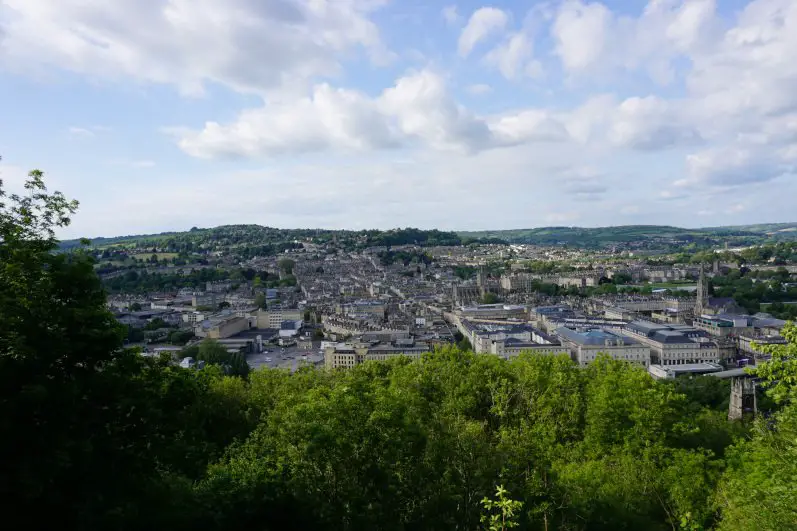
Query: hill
{"x": 631, "y": 236}
{"x": 652, "y": 235}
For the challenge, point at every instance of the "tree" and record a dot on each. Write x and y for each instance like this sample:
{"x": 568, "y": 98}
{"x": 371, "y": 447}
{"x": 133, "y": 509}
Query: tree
{"x": 223, "y": 305}
{"x": 286, "y": 265}
{"x": 75, "y": 440}
{"x": 135, "y": 307}
{"x": 464, "y": 344}
{"x": 501, "y": 512}
{"x": 180, "y": 337}
{"x": 490, "y": 298}
{"x": 214, "y": 353}
{"x": 763, "y": 468}
{"x": 260, "y": 301}
{"x": 156, "y": 324}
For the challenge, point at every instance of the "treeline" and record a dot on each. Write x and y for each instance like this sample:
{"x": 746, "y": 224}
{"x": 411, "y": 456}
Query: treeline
{"x": 97, "y": 437}
{"x": 405, "y": 258}
{"x": 751, "y": 289}
{"x": 249, "y": 241}
{"x": 410, "y": 236}
{"x": 140, "y": 281}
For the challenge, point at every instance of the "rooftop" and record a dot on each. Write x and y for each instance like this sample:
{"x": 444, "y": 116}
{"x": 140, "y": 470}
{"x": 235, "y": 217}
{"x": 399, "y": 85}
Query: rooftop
{"x": 594, "y": 336}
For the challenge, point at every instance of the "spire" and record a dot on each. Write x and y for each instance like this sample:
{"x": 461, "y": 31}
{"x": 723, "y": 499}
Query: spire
{"x": 702, "y": 292}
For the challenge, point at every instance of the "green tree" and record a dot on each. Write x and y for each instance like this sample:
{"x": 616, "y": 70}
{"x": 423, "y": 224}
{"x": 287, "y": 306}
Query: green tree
{"x": 286, "y": 265}
{"x": 135, "y": 307}
{"x": 87, "y": 434}
{"x": 490, "y": 298}
{"x": 180, "y": 337}
{"x": 260, "y": 301}
{"x": 501, "y": 511}
{"x": 214, "y": 353}
{"x": 763, "y": 467}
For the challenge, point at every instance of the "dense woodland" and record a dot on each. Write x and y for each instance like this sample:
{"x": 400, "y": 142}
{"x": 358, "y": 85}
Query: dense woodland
{"x": 98, "y": 437}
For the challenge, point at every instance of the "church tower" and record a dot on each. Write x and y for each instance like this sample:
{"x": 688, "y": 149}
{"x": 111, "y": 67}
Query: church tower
{"x": 701, "y": 305}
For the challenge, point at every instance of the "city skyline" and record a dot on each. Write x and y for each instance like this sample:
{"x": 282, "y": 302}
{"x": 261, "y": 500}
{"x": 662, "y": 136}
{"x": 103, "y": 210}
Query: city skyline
{"x": 374, "y": 114}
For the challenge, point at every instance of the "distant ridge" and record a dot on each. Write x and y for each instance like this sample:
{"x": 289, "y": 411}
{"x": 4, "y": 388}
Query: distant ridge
{"x": 582, "y": 236}
{"x": 554, "y": 235}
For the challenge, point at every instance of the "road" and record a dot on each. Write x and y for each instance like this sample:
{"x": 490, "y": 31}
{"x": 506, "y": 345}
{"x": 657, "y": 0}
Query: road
{"x": 287, "y": 358}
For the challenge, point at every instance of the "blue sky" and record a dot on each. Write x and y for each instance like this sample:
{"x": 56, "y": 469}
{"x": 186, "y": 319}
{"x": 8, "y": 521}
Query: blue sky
{"x": 166, "y": 114}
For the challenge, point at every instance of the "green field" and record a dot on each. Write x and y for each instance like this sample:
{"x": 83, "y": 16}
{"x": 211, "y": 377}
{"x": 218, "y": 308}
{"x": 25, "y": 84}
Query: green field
{"x": 672, "y": 285}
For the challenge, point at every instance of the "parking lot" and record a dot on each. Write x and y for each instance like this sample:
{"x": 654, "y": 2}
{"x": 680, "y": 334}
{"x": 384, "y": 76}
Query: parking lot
{"x": 284, "y": 358}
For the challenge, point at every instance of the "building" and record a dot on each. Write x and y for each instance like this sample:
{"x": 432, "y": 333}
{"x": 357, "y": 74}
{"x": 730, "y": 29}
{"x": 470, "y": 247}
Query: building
{"x": 674, "y": 344}
{"x": 219, "y": 286}
{"x": 543, "y": 315}
{"x": 493, "y": 311}
{"x": 670, "y": 372}
{"x": 290, "y": 328}
{"x": 364, "y": 308}
{"x": 207, "y": 300}
{"x": 724, "y": 326}
{"x": 752, "y": 344}
{"x": 512, "y": 347}
{"x": 587, "y": 344}
{"x": 274, "y": 318}
{"x": 221, "y": 327}
{"x": 194, "y": 317}
{"x": 348, "y": 355}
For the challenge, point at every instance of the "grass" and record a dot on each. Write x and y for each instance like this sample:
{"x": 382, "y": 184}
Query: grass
{"x": 672, "y": 285}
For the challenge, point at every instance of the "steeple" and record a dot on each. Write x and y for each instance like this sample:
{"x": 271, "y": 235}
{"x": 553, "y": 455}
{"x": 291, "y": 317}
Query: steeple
{"x": 702, "y": 293}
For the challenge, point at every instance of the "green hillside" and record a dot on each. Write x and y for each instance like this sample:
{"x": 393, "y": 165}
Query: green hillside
{"x": 655, "y": 235}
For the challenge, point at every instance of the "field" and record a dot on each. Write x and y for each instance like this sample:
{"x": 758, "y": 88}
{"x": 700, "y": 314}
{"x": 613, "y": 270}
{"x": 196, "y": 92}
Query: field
{"x": 673, "y": 285}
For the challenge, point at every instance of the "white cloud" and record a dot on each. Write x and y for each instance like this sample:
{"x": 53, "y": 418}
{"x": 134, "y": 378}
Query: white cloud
{"x": 88, "y": 131}
{"x": 80, "y": 131}
{"x": 451, "y": 15}
{"x": 529, "y": 126}
{"x": 651, "y": 123}
{"x": 250, "y": 46}
{"x": 479, "y": 89}
{"x": 329, "y": 118}
{"x": 417, "y": 109}
{"x": 483, "y": 23}
{"x": 580, "y": 31}
{"x": 513, "y": 57}
{"x": 590, "y": 39}
{"x": 644, "y": 124}
{"x": 734, "y": 165}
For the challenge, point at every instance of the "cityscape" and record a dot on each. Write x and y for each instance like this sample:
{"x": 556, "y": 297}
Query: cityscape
{"x": 339, "y": 303}
{"x": 398, "y": 265}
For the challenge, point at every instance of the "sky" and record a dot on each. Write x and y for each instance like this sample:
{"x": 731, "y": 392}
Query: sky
{"x": 162, "y": 115}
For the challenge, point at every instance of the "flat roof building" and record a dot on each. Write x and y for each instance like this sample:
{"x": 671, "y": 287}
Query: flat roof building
{"x": 587, "y": 344}
{"x": 674, "y": 344}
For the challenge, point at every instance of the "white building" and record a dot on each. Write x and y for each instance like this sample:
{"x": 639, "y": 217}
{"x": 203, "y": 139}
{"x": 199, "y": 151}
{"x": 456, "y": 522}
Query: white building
{"x": 586, "y": 345}
{"x": 674, "y": 344}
